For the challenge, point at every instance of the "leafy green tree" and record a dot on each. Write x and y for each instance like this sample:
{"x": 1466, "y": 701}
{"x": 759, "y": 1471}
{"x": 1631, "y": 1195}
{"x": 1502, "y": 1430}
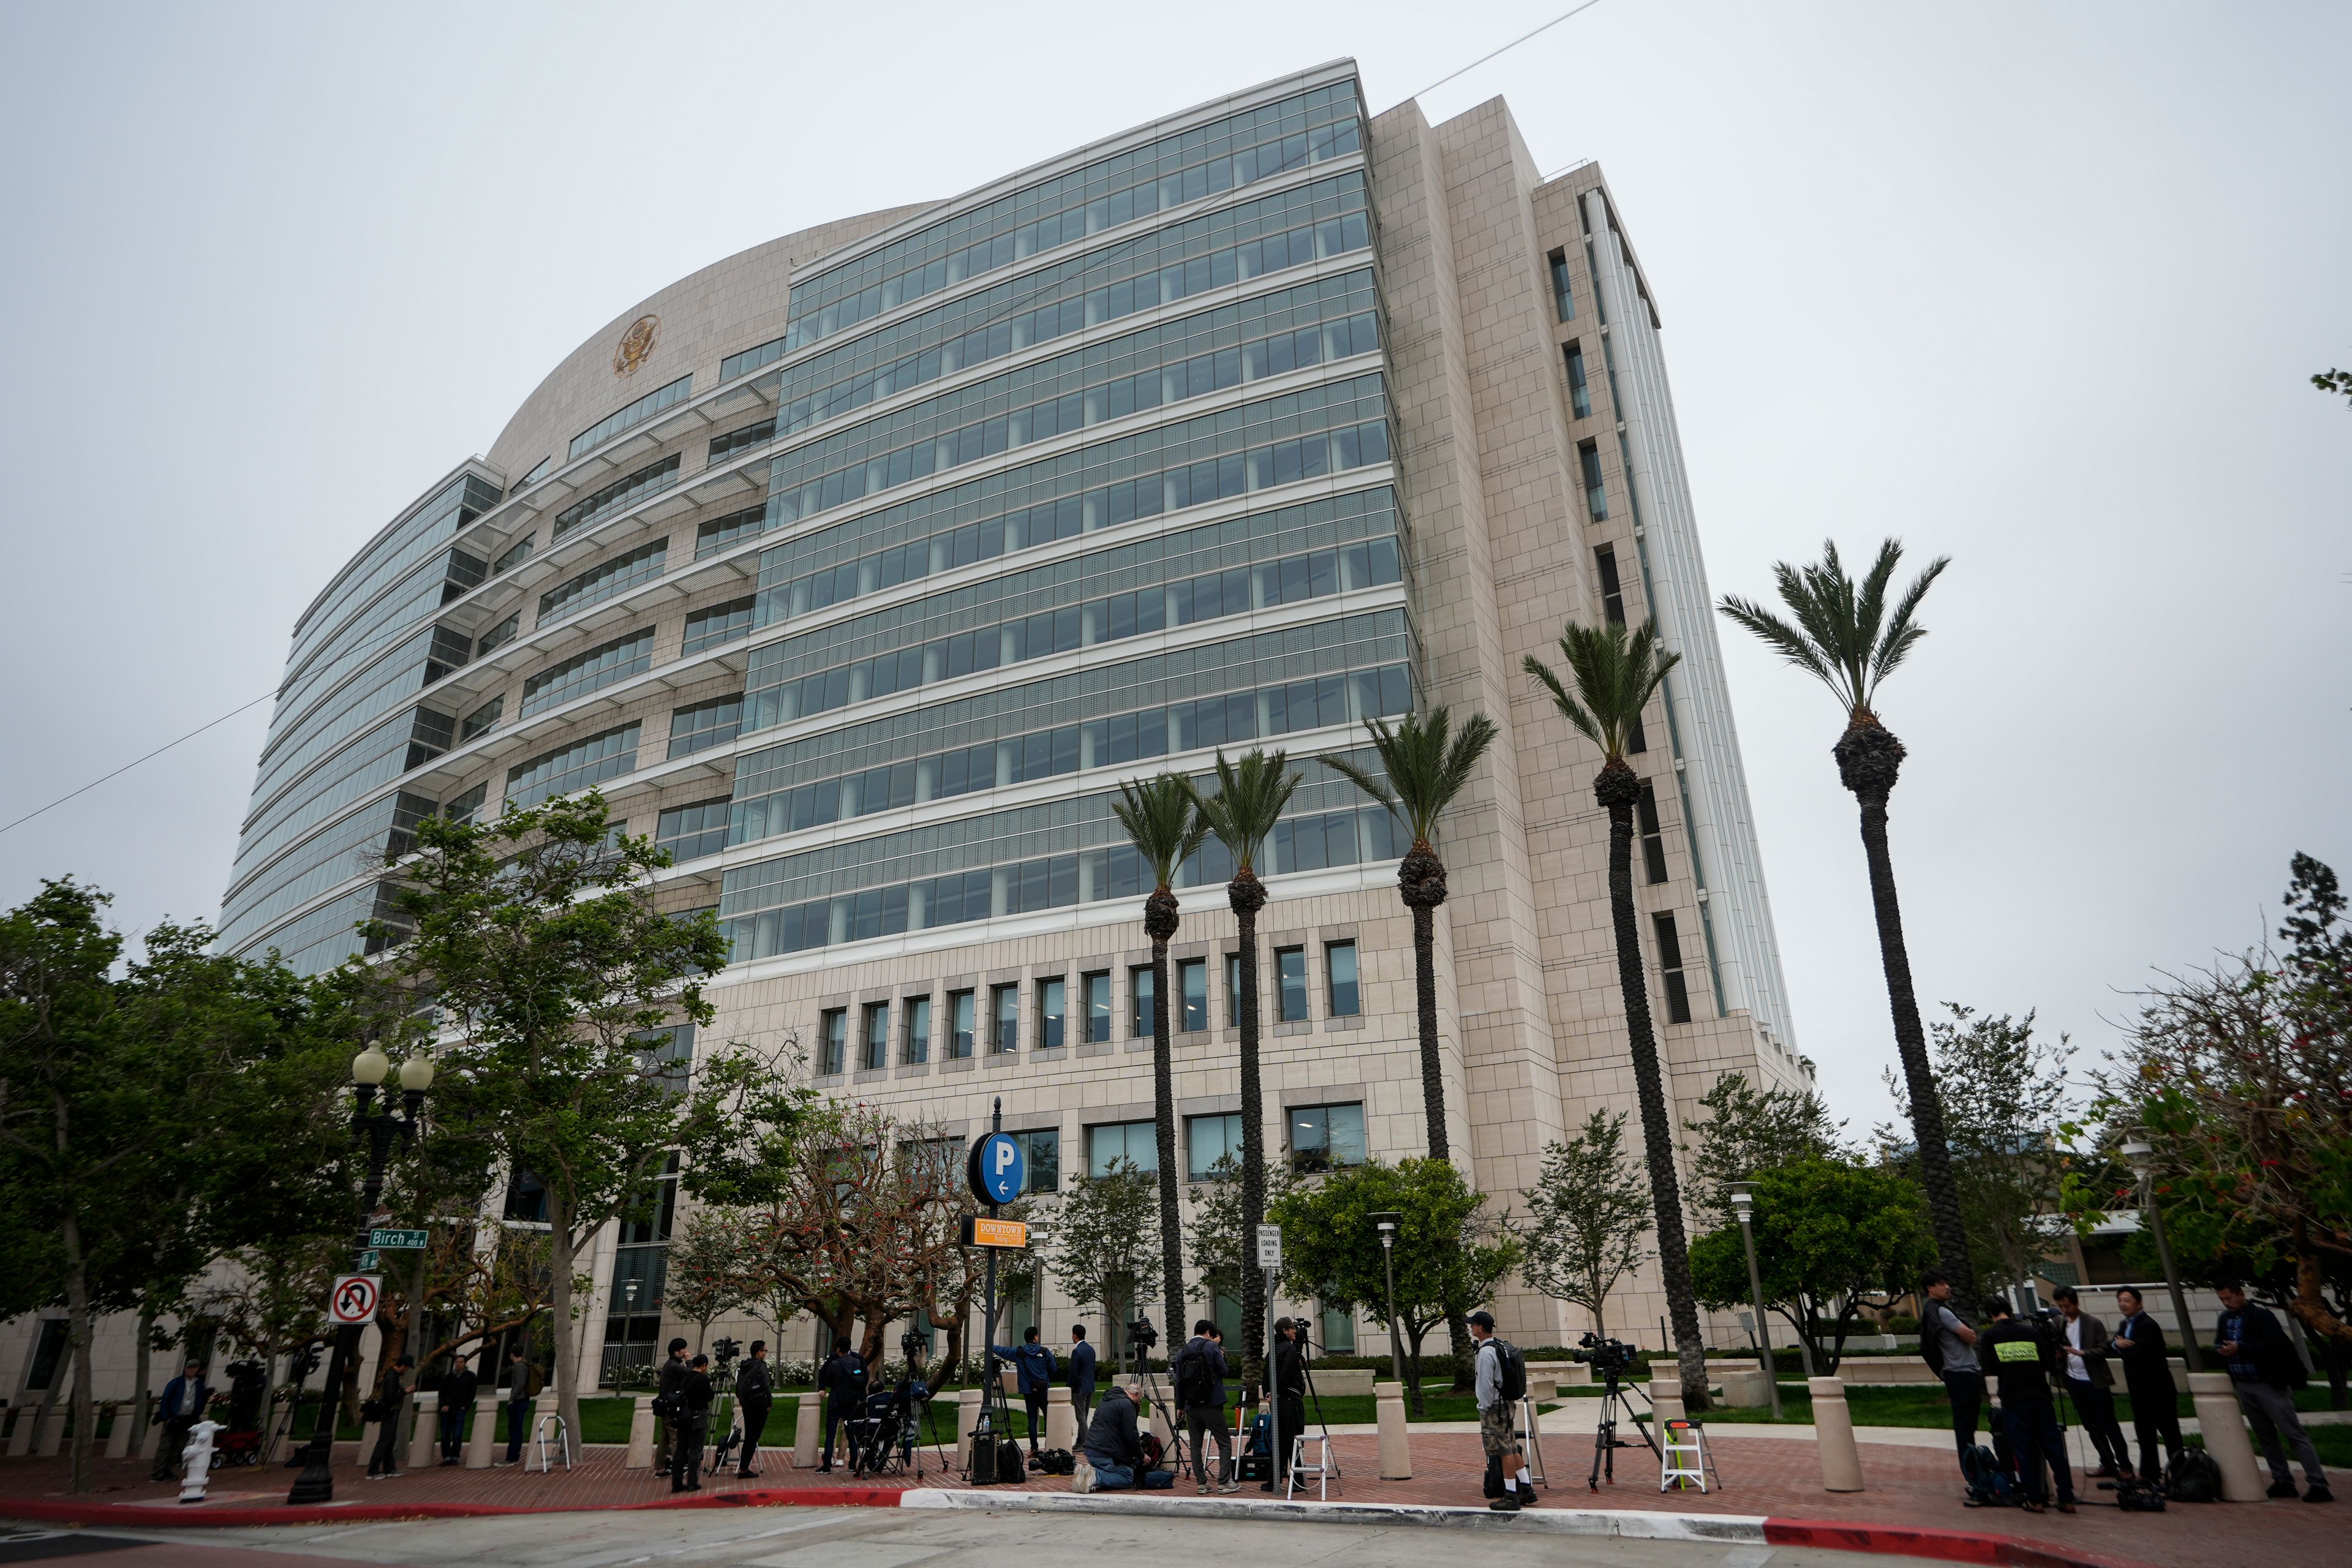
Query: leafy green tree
{"x": 1250, "y": 798}
{"x": 1097, "y": 1252}
{"x": 1849, "y": 637}
{"x": 1447, "y": 1250}
{"x": 1749, "y": 1129}
{"x": 2334, "y": 382}
{"x": 1587, "y": 1214}
{"x": 558, "y": 983}
{"x": 1163, "y": 823}
{"x": 1221, "y": 1250}
{"x": 1615, "y": 674}
{"x": 1828, "y": 1233}
{"x": 1425, "y": 765}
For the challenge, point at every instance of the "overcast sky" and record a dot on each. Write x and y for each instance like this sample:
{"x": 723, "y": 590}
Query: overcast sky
{"x": 2036, "y": 287}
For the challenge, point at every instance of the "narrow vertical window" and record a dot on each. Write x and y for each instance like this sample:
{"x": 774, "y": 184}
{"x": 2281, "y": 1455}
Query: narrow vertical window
{"x": 1653, "y": 838}
{"x": 1670, "y": 966}
{"x": 1339, "y": 962}
{"x": 1596, "y": 498}
{"x": 959, "y": 1025}
{"x": 1140, "y": 982}
{"x": 1053, "y": 1014}
{"x": 915, "y": 1043}
{"x": 1613, "y": 591}
{"x": 1563, "y": 297}
{"x": 1233, "y": 991}
{"x": 834, "y": 1034}
{"x": 1580, "y": 395}
{"x": 1004, "y": 1018}
{"x": 876, "y": 1052}
{"x": 1097, "y": 1007}
{"x": 1193, "y": 985}
{"x": 1290, "y": 984}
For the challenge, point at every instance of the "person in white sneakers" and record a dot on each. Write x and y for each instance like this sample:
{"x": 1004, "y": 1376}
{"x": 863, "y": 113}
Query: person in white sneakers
{"x": 1497, "y": 1416}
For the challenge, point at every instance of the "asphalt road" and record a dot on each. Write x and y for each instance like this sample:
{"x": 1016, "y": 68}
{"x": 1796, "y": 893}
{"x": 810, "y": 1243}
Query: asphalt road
{"x": 871, "y": 1538}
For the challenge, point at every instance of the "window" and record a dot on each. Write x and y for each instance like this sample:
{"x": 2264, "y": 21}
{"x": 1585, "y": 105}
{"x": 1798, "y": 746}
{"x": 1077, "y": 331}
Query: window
{"x": 725, "y": 447}
{"x": 691, "y": 832}
{"x": 575, "y": 766}
{"x": 1112, "y": 1141}
{"x": 1338, "y": 1326}
{"x": 483, "y": 720}
{"x": 1326, "y": 1138}
{"x": 666, "y": 1056}
{"x": 914, "y": 1030}
{"x": 1004, "y": 1018}
{"x": 1097, "y": 987}
{"x": 499, "y": 635}
{"x": 704, "y": 725}
{"x": 1654, "y": 840}
{"x": 514, "y": 554}
{"x": 1612, "y": 592}
{"x": 1053, "y": 1014}
{"x": 832, "y": 1034}
{"x": 48, "y": 1352}
{"x": 1041, "y": 1160}
{"x": 1596, "y": 497}
{"x": 1563, "y": 297}
{"x": 611, "y": 498}
{"x": 719, "y": 624}
{"x": 1193, "y": 985}
{"x": 1140, "y": 982}
{"x": 1580, "y": 395}
{"x": 721, "y": 532}
{"x": 603, "y": 581}
{"x": 1339, "y": 963}
{"x": 1209, "y": 1139}
{"x": 1670, "y": 968}
{"x": 959, "y": 1025}
{"x": 636, "y": 413}
{"x": 877, "y": 1054}
{"x": 626, "y": 655}
{"x": 1290, "y": 984}
{"x": 1233, "y": 991}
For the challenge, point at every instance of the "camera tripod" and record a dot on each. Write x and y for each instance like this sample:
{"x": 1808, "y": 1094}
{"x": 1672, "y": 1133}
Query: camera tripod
{"x": 1140, "y": 1339}
{"x": 1605, "y": 1441}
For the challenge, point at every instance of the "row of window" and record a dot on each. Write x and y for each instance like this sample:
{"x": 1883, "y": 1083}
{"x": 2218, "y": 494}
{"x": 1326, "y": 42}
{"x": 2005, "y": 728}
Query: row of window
{"x": 636, "y": 413}
{"x": 1054, "y": 1024}
{"x": 606, "y": 500}
{"x": 1253, "y": 145}
{"x": 603, "y": 580}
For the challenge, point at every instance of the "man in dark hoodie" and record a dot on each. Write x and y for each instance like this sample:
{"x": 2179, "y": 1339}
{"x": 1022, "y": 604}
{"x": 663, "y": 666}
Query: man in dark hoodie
{"x": 452, "y": 1400}
{"x": 2016, "y": 1357}
{"x": 2264, "y": 1372}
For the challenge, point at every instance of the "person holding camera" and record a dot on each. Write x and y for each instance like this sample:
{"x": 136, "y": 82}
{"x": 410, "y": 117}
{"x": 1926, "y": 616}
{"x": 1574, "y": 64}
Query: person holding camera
{"x": 1950, "y": 1347}
{"x": 2148, "y": 1377}
{"x": 1197, "y": 1380}
{"x": 2091, "y": 1383}
{"x": 2264, "y": 1371}
{"x": 690, "y": 1427}
{"x": 1033, "y": 1362}
{"x": 1082, "y": 1377}
{"x": 755, "y": 1392}
{"x": 2016, "y": 1356}
{"x": 1288, "y": 1372}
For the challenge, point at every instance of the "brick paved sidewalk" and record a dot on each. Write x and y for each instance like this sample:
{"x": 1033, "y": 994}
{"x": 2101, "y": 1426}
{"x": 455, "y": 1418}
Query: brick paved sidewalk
{"x": 1907, "y": 1486}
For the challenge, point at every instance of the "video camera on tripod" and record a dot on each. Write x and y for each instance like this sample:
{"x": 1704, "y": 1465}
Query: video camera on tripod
{"x": 723, "y": 1352}
{"x": 1141, "y": 1336}
{"x": 1611, "y": 1359}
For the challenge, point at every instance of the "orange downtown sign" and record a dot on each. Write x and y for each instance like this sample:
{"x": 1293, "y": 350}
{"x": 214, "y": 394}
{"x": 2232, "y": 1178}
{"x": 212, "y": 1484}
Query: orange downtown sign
{"x": 978, "y": 1230}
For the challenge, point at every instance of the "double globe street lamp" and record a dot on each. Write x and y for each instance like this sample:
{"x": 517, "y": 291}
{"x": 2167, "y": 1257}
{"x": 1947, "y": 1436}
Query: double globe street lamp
{"x": 2140, "y": 1155}
{"x": 1743, "y": 1204}
{"x": 379, "y": 1130}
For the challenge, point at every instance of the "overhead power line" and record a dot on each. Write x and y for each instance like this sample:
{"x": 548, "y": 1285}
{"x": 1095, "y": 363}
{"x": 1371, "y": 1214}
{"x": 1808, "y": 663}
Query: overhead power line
{"x": 1507, "y": 48}
{"x": 136, "y": 761}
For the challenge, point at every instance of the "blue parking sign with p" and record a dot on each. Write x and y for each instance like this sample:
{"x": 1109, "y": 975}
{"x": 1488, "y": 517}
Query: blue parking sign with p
{"x": 996, "y": 1168}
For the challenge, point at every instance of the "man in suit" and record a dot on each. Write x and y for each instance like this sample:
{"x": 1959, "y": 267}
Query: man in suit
{"x": 755, "y": 1391}
{"x": 842, "y": 1380}
{"x": 667, "y": 1383}
{"x": 2090, "y": 1383}
{"x": 2147, "y": 1378}
{"x": 452, "y": 1400}
{"x": 184, "y": 1405}
{"x": 1082, "y": 1377}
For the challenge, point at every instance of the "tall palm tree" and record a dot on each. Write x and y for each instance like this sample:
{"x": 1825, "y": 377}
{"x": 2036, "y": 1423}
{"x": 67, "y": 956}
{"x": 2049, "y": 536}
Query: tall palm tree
{"x": 1850, "y": 638}
{"x": 1165, "y": 826}
{"x": 1615, "y": 675}
{"x": 1424, "y": 766}
{"x": 1250, "y": 798}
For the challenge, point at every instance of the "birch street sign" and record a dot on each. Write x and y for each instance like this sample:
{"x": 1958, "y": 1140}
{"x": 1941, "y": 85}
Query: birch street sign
{"x": 353, "y": 1298}
{"x": 1006, "y": 1234}
{"x": 1269, "y": 1246}
{"x": 396, "y": 1240}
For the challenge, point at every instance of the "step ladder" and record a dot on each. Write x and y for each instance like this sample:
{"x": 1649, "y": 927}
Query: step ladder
{"x": 1318, "y": 1470}
{"x": 1532, "y": 1441}
{"x": 1682, "y": 1457}
{"x": 562, "y": 1437}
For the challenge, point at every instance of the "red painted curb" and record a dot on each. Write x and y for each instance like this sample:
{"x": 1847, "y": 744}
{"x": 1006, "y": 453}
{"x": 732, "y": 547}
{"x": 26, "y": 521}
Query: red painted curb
{"x": 150, "y": 1516}
{"x": 1943, "y": 1545}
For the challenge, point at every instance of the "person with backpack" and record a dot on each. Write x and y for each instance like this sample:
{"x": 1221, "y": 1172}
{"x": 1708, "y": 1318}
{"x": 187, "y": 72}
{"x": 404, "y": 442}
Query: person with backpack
{"x": 2147, "y": 1378}
{"x": 2021, "y": 1364}
{"x": 1502, "y": 1383}
{"x": 842, "y": 1380}
{"x": 1948, "y": 1346}
{"x": 1034, "y": 1364}
{"x": 1197, "y": 1380}
{"x": 2264, "y": 1371}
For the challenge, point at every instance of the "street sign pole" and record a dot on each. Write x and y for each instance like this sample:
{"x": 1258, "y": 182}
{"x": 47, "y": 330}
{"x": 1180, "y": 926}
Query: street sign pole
{"x": 1269, "y": 1257}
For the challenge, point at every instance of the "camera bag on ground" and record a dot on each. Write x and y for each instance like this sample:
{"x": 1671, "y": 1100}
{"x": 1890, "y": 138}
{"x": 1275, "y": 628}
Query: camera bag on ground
{"x": 2133, "y": 1494}
{"x": 1990, "y": 1484}
{"x": 1054, "y": 1462}
{"x": 1257, "y": 1451}
{"x": 2193, "y": 1476}
{"x": 1009, "y": 1464}
{"x": 1152, "y": 1450}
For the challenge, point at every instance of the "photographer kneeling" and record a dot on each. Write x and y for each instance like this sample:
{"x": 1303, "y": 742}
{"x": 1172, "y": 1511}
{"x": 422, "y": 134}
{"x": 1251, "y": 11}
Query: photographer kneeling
{"x": 1113, "y": 1446}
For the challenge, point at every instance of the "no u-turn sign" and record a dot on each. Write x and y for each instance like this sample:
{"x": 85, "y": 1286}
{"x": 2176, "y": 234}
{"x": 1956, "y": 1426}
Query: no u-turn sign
{"x": 354, "y": 1298}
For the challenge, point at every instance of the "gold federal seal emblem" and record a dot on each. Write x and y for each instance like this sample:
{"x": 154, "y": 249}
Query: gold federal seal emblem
{"x": 636, "y": 345}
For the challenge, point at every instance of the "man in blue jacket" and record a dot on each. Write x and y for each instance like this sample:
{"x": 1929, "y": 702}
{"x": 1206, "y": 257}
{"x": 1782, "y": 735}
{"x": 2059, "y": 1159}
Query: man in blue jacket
{"x": 2265, "y": 1370}
{"x": 1082, "y": 1376}
{"x": 184, "y": 1405}
{"x": 1035, "y": 1365}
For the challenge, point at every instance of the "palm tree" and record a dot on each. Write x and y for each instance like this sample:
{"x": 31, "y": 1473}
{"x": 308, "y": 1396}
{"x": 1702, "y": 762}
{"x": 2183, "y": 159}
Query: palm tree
{"x": 1165, "y": 826}
{"x": 1846, "y": 637}
{"x": 1249, "y": 800}
{"x": 1615, "y": 675}
{"x": 1424, "y": 766}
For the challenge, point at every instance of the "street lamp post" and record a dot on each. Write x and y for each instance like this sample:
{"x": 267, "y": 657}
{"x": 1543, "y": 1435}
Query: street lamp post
{"x": 1743, "y": 1202}
{"x": 2141, "y": 1157}
{"x": 1388, "y": 1221}
{"x": 379, "y": 1131}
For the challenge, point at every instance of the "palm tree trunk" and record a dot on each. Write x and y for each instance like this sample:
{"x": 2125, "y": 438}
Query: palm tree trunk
{"x": 1247, "y": 896}
{"x": 1617, "y": 789}
{"x": 1421, "y": 879}
{"x": 1160, "y": 923}
{"x": 1869, "y": 757}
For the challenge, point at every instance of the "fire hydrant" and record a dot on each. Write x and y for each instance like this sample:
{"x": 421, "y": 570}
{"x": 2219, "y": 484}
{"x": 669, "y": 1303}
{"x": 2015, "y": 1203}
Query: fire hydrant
{"x": 199, "y": 1456}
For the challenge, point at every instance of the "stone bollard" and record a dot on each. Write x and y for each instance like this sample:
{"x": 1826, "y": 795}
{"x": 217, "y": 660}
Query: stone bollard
{"x": 1833, "y": 1434}
{"x": 968, "y": 1403}
{"x": 808, "y": 1431}
{"x": 281, "y": 1434}
{"x": 1396, "y": 1443}
{"x": 1061, "y": 1419}
{"x": 482, "y": 1441}
{"x": 20, "y": 1436}
{"x": 1162, "y": 1418}
{"x": 425, "y": 1439}
{"x": 118, "y": 1435}
{"x": 1665, "y": 1402}
{"x": 53, "y": 1432}
{"x": 640, "y": 1456}
{"x": 2225, "y": 1427}
{"x": 369, "y": 1432}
